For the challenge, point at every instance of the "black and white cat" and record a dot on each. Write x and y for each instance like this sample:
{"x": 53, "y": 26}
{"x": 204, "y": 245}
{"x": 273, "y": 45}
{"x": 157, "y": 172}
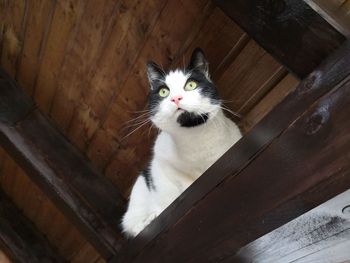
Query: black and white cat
{"x": 185, "y": 106}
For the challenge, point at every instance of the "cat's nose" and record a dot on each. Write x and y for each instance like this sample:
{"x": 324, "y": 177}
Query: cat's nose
{"x": 176, "y": 99}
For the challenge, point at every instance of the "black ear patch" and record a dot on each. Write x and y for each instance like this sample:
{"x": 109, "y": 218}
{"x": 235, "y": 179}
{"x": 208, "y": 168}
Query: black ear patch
{"x": 154, "y": 72}
{"x": 198, "y": 62}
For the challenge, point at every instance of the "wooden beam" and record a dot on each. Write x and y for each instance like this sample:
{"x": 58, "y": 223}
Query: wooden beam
{"x": 337, "y": 16}
{"x": 320, "y": 235}
{"x": 289, "y": 30}
{"x": 293, "y": 160}
{"x": 20, "y": 239}
{"x": 91, "y": 202}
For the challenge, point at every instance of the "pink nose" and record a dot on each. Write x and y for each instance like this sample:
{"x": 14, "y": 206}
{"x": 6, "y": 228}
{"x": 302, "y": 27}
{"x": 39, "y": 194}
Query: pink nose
{"x": 176, "y": 99}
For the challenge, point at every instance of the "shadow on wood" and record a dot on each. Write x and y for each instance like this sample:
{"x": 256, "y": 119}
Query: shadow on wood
{"x": 83, "y": 195}
{"x": 19, "y": 238}
{"x": 289, "y": 30}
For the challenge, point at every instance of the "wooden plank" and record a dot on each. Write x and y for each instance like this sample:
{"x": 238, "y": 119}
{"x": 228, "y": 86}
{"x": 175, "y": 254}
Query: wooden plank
{"x": 13, "y": 20}
{"x": 303, "y": 176}
{"x": 221, "y": 39}
{"x": 64, "y": 21}
{"x": 39, "y": 20}
{"x": 290, "y": 30}
{"x": 80, "y": 60}
{"x": 19, "y": 238}
{"x": 249, "y": 77}
{"x": 86, "y": 254}
{"x": 84, "y": 196}
{"x": 122, "y": 49}
{"x": 275, "y": 96}
{"x": 320, "y": 235}
{"x": 40, "y": 210}
{"x": 335, "y": 13}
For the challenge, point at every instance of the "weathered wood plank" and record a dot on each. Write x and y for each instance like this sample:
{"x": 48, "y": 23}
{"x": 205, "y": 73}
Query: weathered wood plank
{"x": 122, "y": 50}
{"x": 84, "y": 196}
{"x": 19, "y": 238}
{"x": 321, "y": 234}
{"x": 13, "y": 17}
{"x": 290, "y": 30}
{"x": 266, "y": 104}
{"x": 64, "y": 21}
{"x": 220, "y": 210}
{"x": 83, "y": 51}
{"x": 35, "y": 34}
{"x": 336, "y": 13}
{"x": 40, "y": 210}
{"x": 253, "y": 73}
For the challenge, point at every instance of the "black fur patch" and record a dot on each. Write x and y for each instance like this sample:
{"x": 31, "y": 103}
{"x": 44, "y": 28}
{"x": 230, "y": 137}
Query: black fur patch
{"x": 205, "y": 87}
{"x": 148, "y": 178}
{"x": 190, "y": 119}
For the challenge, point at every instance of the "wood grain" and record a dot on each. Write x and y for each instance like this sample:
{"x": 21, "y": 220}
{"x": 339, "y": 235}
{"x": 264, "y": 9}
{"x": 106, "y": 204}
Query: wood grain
{"x": 335, "y": 12}
{"x": 320, "y": 235}
{"x": 290, "y": 30}
{"x": 122, "y": 49}
{"x": 61, "y": 234}
{"x": 265, "y": 105}
{"x": 81, "y": 57}
{"x": 65, "y": 18}
{"x": 39, "y": 19}
{"x": 12, "y": 23}
{"x": 20, "y": 239}
{"x": 249, "y": 77}
{"x": 64, "y": 175}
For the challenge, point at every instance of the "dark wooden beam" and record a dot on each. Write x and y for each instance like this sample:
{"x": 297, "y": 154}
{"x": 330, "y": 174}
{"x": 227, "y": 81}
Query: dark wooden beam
{"x": 19, "y": 238}
{"x": 297, "y": 36}
{"x": 296, "y": 158}
{"x": 320, "y": 235}
{"x": 91, "y": 202}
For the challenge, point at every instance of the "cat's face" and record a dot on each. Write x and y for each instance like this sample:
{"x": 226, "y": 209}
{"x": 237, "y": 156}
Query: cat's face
{"x": 182, "y": 99}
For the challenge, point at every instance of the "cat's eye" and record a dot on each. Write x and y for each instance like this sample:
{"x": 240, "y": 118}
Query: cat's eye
{"x": 191, "y": 85}
{"x": 164, "y": 92}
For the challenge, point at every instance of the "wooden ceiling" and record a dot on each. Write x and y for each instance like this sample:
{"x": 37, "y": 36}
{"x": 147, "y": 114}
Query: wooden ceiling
{"x": 83, "y": 63}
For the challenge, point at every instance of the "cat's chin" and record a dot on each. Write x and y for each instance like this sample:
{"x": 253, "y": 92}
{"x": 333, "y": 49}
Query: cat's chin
{"x": 190, "y": 119}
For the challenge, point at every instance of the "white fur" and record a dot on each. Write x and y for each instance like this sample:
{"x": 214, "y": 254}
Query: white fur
{"x": 181, "y": 154}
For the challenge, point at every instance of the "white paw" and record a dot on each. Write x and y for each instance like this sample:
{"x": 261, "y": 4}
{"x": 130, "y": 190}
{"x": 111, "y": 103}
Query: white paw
{"x": 134, "y": 228}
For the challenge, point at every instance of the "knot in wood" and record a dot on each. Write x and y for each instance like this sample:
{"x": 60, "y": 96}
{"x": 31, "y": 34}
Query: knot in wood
{"x": 309, "y": 82}
{"x": 317, "y": 120}
{"x": 346, "y": 210}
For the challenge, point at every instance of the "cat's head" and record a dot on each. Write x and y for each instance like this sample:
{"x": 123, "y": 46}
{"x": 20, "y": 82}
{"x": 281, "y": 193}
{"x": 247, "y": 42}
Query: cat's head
{"x": 182, "y": 98}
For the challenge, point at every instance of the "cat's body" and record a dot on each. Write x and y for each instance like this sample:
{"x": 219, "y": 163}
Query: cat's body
{"x": 194, "y": 134}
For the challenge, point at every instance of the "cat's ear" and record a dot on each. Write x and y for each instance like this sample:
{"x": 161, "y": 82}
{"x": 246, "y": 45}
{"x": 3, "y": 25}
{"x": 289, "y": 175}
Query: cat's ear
{"x": 154, "y": 72}
{"x": 199, "y": 62}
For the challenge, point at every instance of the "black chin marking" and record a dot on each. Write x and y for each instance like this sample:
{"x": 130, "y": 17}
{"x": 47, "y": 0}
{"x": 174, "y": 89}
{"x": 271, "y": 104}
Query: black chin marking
{"x": 190, "y": 119}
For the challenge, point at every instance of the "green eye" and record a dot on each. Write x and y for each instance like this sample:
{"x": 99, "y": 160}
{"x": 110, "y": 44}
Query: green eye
{"x": 164, "y": 92}
{"x": 191, "y": 85}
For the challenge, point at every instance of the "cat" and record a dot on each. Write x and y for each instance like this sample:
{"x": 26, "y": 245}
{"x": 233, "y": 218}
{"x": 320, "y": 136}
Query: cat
{"x": 194, "y": 132}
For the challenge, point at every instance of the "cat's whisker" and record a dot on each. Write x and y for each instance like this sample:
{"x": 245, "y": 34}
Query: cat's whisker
{"x": 133, "y": 131}
{"x": 138, "y": 117}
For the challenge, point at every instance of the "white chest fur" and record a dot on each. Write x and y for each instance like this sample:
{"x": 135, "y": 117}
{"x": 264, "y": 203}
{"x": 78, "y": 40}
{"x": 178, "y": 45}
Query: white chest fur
{"x": 191, "y": 151}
